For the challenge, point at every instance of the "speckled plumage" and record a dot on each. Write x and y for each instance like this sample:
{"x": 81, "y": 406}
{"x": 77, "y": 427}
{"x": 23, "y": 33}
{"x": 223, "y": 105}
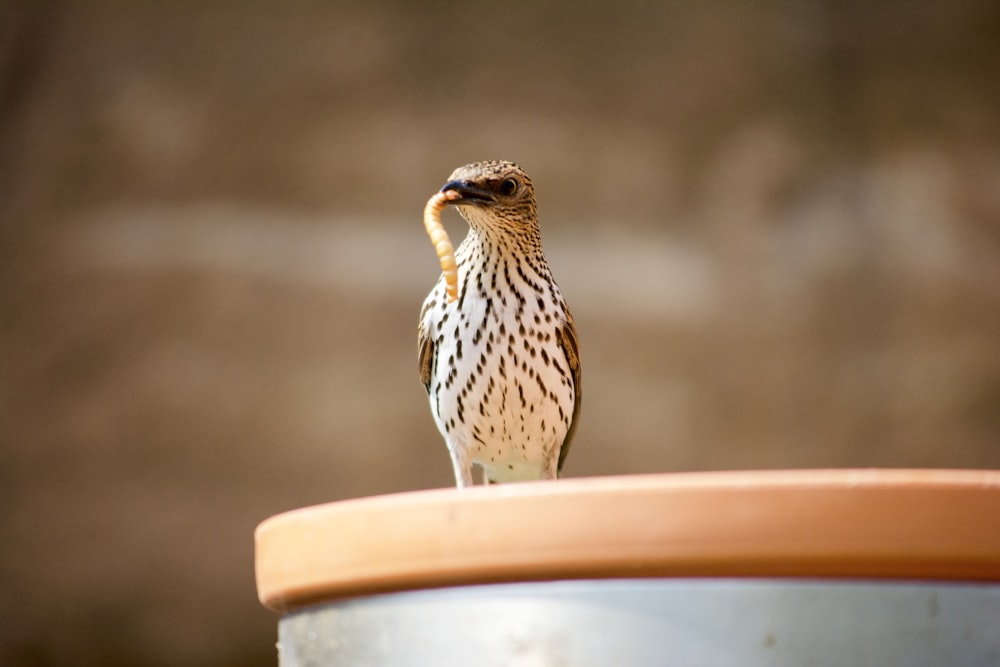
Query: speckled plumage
{"x": 501, "y": 365}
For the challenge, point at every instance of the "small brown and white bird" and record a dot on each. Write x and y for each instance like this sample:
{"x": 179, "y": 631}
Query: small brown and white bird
{"x": 501, "y": 364}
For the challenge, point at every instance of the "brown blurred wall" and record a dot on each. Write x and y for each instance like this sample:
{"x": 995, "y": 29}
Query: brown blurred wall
{"x": 778, "y": 225}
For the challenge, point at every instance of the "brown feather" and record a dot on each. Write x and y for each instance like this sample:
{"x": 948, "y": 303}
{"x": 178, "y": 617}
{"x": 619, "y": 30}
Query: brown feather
{"x": 571, "y": 348}
{"x": 425, "y": 350}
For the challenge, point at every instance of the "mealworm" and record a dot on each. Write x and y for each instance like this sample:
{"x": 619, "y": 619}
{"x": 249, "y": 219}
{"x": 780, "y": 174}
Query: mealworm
{"x": 439, "y": 237}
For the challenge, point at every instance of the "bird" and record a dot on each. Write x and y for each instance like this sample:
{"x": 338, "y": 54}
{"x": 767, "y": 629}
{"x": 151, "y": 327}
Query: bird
{"x": 501, "y": 362}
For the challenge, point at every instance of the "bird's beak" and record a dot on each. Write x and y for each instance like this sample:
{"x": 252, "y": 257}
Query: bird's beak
{"x": 469, "y": 194}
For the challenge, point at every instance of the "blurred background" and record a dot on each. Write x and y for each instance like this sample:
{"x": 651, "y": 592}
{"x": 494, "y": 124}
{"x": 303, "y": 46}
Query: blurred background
{"x": 778, "y": 225}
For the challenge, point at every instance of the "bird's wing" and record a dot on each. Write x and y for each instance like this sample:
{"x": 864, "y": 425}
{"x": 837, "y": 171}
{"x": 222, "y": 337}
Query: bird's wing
{"x": 568, "y": 342}
{"x": 425, "y": 353}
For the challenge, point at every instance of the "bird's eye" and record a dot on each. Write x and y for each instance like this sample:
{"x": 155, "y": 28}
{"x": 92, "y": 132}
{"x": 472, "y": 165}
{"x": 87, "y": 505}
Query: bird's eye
{"x": 508, "y": 186}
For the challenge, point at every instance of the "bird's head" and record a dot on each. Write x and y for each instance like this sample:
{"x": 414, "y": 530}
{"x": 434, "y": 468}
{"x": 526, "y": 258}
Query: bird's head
{"x": 494, "y": 196}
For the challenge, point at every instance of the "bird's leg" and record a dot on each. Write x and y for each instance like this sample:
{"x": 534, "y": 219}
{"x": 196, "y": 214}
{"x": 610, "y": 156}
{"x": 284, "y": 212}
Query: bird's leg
{"x": 462, "y": 465}
{"x": 551, "y": 469}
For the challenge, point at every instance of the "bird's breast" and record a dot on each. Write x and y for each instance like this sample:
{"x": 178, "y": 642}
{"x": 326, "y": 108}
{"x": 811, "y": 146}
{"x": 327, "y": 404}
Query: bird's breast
{"x": 501, "y": 383}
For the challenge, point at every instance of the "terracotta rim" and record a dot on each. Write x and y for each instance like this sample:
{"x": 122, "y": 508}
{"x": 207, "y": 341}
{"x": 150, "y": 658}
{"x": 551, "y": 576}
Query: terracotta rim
{"x": 896, "y": 524}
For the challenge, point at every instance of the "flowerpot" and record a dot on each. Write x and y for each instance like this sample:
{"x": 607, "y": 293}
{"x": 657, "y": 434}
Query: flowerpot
{"x": 858, "y": 567}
